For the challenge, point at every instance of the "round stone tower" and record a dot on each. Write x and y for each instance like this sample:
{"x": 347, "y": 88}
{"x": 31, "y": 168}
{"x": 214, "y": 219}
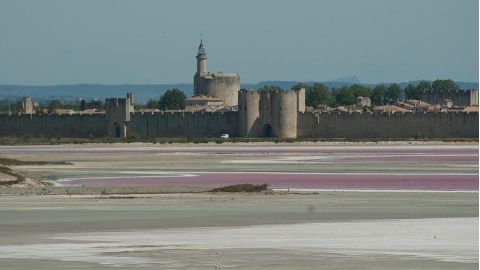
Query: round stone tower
{"x": 248, "y": 113}
{"x": 201, "y": 60}
{"x": 269, "y": 113}
{"x": 224, "y": 86}
{"x": 284, "y": 114}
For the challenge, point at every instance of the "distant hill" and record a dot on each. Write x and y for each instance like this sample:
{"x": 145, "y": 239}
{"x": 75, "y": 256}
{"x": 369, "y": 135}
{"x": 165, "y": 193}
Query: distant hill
{"x": 144, "y": 92}
{"x": 350, "y": 79}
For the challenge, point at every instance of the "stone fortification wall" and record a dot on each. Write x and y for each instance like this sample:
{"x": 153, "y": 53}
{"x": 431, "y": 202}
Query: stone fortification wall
{"x": 79, "y": 126}
{"x": 388, "y": 125}
{"x": 459, "y": 97}
{"x": 275, "y": 113}
{"x": 183, "y": 124}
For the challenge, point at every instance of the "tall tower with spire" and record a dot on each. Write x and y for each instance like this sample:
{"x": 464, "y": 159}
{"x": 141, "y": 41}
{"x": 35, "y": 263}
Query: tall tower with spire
{"x": 220, "y": 85}
{"x": 201, "y": 59}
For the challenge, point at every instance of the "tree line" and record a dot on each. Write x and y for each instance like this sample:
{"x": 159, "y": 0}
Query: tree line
{"x": 172, "y": 99}
{"x": 318, "y": 94}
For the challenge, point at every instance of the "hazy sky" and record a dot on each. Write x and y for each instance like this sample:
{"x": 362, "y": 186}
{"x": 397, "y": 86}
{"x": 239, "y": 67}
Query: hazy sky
{"x": 141, "y": 41}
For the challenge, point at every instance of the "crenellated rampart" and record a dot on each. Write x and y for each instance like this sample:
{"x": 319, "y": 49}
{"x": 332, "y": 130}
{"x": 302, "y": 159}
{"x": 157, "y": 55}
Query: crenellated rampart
{"x": 254, "y": 118}
{"x": 46, "y": 125}
{"x": 367, "y": 125}
{"x": 183, "y": 124}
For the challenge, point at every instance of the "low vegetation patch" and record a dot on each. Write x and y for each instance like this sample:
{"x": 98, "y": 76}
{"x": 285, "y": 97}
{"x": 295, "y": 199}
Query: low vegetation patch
{"x": 8, "y": 171}
{"x": 16, "y": 162}
{"x": 184, "y": 140}
{"x": 241, "y": 188}
{"x": 4, "y": 169}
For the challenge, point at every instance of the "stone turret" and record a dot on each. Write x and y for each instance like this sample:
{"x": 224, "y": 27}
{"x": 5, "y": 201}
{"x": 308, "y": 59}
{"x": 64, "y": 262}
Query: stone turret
{"x": 27, "y": 105}
{"x": 117, "y": 114}
{"x": 249, "y": 113}
{"x": 201, "y": 60}
{"x": 270, "y": 113}
{"x": 283, "y": 117}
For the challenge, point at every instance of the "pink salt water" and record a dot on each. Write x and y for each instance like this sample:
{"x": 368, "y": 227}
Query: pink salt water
{"x": 297, "y": 180}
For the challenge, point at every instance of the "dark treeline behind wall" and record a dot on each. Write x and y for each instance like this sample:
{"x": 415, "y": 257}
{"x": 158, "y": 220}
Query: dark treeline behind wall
{"x": 172, "y": 99}
{"x": 317, "y": 94}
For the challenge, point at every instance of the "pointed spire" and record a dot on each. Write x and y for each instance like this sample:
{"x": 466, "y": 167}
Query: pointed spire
{"x": 201, "y": 49}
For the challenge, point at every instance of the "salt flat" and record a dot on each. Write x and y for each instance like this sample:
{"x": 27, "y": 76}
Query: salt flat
{"x": 361, "y": 166}
{"x": 417, "y": 209}
{"x": 442, "y": 240}
{"x": 339, "y": 230}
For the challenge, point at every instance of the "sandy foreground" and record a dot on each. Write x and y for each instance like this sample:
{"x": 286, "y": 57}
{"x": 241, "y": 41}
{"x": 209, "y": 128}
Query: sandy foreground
{"x": 435, "y": 227}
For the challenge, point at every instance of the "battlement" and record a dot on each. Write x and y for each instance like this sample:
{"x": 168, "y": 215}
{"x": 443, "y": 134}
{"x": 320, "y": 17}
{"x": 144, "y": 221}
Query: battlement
{"x": 120, "y": 101}
{"x": 181, "y": 113}
{"x": 51, "y": 116}
{"x": 387, "y": 113}
{"x": 272, "y": 119}
{"x": 270, "y": 113}
{"x": 466, "y": 91}
{"x": 183, "y": 124}
{"x": 370, "y": 125}
{"x": 458, "y": 97}
{"x": 115, "y": 101}
{"x": 248, "y": 92}
{"x": 52, "y": 125}
{"x": 117, "y": 113}
{"x": 279, "y": 91}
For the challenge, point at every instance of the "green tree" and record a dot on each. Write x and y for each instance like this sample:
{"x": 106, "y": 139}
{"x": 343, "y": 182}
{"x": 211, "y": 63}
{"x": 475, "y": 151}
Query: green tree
{"x": 416, "y": 92}
{"x": 424, "y": 86}
{"x": 300, "y": 85}
{"x": 444, "y": 85}
{"x": 53, "y": 105}
{"x": 316, "y": 94}
{"x": 345, "y": 96}
{"x": 378, "y": 95}
{"x": 95, "y": 104}
{"x": 393, "y": 93}
{"x": 173, "y": 99}
{"x": 152, "y": 104}
{"x": 269, "y": 87}
{"x": 322, "y": 94}
{"x": 360, "y": 91}
{"x": 83, "y": 105}
{"x": 412, "y": 92}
